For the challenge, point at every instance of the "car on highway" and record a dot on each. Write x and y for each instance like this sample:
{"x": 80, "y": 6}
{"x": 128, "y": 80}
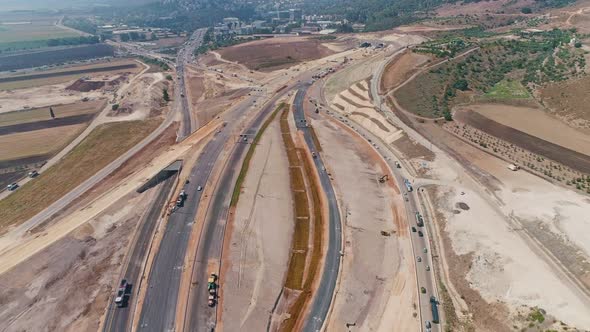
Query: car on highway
{"x": 422, "y": 290}
{"x": 425, "y": 250}
{"x": 420, "y": 234}
{"x": 427, "y": 268}
{"x": 413, "y": 229}
{"x": 199, "y": 188}
{"x": 428, "y": 325}
{"x": 419, "y": 259}
{"x": 33, "y": 174}
{"x": 12, "y": 186}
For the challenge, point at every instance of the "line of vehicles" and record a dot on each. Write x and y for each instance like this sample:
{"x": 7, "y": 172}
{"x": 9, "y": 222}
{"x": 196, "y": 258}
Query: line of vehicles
{"x": 212, "y": 287}
{"x": 13, "y": 186}
{"x": 420, "y": 223}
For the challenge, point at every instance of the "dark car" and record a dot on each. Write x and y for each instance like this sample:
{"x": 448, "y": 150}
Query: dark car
{"x": 420, "y": 234}
{"x": 413, "y": 229}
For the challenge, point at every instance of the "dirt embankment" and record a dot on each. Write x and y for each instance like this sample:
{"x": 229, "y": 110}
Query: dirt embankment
{"x": 399, "y": 70}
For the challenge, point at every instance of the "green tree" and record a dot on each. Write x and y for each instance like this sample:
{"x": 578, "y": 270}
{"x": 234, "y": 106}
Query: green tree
{"x": 526, "y": 10}
{"x": 461, "y": 84}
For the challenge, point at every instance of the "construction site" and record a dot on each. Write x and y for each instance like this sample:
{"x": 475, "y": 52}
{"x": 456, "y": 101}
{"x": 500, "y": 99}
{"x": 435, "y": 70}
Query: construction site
{"x": 300, "y": 183}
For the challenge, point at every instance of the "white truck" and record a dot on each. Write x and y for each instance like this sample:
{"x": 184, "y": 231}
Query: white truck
{"x": 513, "y": 167}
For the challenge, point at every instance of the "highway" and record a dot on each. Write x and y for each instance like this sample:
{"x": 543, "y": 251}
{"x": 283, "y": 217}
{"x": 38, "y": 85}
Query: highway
{"x": 424, "y": 278}
{"x": 118, "y": 319}
{"x": 180, "y": 106}
{"x": 159, "y": 308}
{"x": 184, "y": 56}
{"x": 322, "y": 298}
{"x": 199, "y": 315}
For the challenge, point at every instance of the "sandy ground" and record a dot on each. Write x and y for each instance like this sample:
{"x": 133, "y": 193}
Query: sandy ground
{"x": 48, "y": 293}
{"x": 507, "y": 225}
{"x": 141, "y": 99}
{"x": 37, "y": 142}
{"x": 13, "y": 100}
{"x": 260, "y": 242}
{"x": 491, "y": 235}
{"x": 211, "y": 93}
{"x": 355, "y": 103}
{"x": 377, "y": 285}
{"x": 537, "y": 123}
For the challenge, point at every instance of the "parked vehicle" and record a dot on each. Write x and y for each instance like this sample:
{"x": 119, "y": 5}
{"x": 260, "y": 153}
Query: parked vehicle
{"x": 420, "y": 234}
{"x": 413, "y": 229}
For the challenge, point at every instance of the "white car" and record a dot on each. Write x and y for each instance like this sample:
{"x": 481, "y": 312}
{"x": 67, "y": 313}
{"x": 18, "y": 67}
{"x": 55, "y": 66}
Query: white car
{"x": 199, "y": 188}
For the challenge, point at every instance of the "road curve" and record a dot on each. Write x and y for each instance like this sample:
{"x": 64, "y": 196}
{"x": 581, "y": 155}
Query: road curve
{"x": 322, "y": 299}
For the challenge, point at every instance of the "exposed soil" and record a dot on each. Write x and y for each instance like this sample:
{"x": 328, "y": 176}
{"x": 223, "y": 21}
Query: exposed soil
{"x": 67, "y": 73}
{"x": 399, "y": 70}
{"x": 486, "y": 316}
{"x": 275, "y": 53}
{"x": 49, "y": 291}
{"x": 569, "y": 101}
{"x": 83, "y": 85}
{"x": 531, "y": 143}
{"x": 57, "y": 122}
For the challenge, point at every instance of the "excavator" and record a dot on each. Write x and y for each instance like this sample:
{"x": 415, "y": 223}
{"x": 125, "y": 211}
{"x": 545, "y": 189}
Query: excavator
{"x": 383, "y": 178}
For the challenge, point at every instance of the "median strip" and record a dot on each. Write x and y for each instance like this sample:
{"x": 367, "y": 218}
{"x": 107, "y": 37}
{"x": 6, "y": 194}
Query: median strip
{"x": 305, "y": 257}
{"x": 246, "y": 164}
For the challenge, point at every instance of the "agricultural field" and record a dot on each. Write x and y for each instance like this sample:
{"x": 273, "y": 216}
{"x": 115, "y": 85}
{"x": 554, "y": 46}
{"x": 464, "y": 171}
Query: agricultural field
{"x": 29, "y": 137}
{"x": 101, "y": 147}
{"x": 27, "y": 30}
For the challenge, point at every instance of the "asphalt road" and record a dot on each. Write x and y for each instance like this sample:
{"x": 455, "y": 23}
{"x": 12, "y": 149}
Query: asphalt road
{"x": 184, "y": 56}
{"x": 322, "y": 299}
{"x": 200, "y": 316}
{"x": 159, "y": 308}
{"x": 117, "y": 319}
{"x": 425, "y": 278}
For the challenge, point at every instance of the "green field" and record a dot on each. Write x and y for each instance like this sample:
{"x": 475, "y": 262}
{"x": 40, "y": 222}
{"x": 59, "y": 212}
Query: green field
{"x": 30, "y": 32}
{"x": 507, "y": 89}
